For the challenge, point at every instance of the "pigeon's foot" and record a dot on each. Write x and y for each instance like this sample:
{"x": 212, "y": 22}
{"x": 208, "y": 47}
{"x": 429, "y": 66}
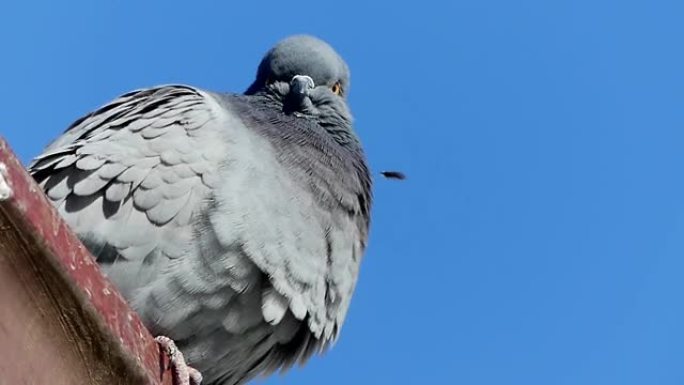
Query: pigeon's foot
{"x": 182, "y": 373}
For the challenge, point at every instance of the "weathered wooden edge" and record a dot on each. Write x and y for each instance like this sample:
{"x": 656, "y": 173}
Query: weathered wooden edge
{"x": 32, "y": 214}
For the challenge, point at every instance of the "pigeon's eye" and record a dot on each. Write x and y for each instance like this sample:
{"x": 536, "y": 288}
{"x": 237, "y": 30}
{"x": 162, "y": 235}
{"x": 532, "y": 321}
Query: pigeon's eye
{"x": 336, "y": 88}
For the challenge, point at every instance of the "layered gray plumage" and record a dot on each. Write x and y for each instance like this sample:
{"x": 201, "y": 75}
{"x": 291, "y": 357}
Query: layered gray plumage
{"x": 234, "y": 224}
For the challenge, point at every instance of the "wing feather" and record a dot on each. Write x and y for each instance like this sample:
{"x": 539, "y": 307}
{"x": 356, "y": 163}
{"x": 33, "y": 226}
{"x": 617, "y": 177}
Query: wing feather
{"x": 126, "y": 174}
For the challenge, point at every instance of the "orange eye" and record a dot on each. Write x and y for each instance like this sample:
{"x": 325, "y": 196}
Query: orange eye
{"x": 336, "y": 88}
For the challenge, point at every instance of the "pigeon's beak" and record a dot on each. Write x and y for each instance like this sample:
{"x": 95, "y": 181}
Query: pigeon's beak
{"x": 301, "y": 85}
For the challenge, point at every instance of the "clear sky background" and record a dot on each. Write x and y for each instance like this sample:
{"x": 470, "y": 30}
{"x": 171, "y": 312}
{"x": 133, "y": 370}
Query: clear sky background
{"x": 539, "y": 238}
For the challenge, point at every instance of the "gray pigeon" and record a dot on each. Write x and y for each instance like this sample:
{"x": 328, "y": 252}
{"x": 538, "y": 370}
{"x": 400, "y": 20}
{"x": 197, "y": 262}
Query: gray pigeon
{"x": 234, "y": 224}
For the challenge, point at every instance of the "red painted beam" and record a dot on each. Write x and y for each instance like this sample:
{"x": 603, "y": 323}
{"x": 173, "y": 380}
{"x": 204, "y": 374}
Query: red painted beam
{"x": 61, "y": 320}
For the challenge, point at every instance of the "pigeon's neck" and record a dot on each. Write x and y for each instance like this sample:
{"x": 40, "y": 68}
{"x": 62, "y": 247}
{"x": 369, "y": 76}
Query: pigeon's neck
{"x": 264, "y": 96}
{"x": 295, "y": 136}
{"x": 339, "y": 127}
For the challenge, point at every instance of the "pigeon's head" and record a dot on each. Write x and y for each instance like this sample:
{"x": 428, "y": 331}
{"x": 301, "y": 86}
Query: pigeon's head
{"x": 308, "y": 77}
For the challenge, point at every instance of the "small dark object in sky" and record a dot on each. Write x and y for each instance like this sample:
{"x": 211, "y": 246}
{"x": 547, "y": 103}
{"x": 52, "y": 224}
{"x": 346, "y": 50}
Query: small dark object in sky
{"x": 393, "y": 175}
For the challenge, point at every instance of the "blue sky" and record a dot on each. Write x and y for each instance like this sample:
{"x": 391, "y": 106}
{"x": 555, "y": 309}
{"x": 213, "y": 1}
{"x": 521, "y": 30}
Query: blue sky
{"x": 539, "y": 238}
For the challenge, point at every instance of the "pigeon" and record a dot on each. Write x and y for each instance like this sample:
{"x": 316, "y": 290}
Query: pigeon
{"x": 233, "y": 223}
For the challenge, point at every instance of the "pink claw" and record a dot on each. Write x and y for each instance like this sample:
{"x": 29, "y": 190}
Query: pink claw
{"x": 182, "y": 374}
